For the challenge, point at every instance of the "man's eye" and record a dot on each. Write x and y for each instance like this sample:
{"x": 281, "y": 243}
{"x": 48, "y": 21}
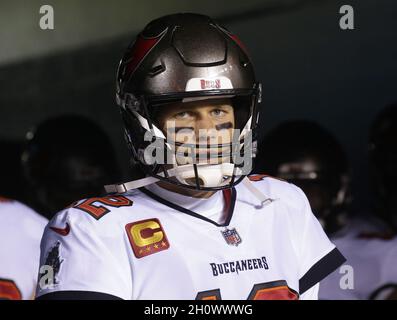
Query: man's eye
{"x": 218, "y": 113}
{"x": 182, "y": 115}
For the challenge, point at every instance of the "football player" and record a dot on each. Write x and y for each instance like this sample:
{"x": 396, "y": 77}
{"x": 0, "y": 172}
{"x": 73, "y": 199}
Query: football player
{"x": 20, "y": 233}
{"x": 196, "y": 227}
{"x": 66, "y": 158}
{"x": 306, "y": 154}
{"x": 383, "y": 165}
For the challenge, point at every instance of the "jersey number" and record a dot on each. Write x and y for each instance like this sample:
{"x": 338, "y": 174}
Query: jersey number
{"x": 9, "y": 290}
{"x": 94, "y": 206}
{"x": 275, "y": 290}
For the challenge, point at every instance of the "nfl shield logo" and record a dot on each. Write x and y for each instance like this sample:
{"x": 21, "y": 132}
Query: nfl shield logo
{"x": 231, "y": 236}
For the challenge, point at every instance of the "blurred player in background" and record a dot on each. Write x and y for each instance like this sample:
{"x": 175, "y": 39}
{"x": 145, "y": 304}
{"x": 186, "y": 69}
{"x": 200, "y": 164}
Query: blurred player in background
{"x": 20, "y": 233}
{"x": 64, "y": 158}
{"x": 304, "y": 153}
{"x": 383, "y": 166}
{"x": 12, "y": 179}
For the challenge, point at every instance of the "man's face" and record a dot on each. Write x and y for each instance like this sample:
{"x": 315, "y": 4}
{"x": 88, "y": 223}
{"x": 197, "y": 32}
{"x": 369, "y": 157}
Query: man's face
{"x": 204, "y": 122}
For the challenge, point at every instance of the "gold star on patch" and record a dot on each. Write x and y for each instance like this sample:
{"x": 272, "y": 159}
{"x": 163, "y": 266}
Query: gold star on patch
{"x": 148, "y": 249}
{"x": 156, "y": 246}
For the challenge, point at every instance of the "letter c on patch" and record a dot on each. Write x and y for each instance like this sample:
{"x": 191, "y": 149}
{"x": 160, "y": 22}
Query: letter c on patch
{"x": 140, "y": 239}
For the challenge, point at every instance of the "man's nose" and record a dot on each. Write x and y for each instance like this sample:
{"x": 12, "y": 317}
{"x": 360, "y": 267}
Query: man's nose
{"x": 204, "y": 121}
{"x": 205, "y": 128}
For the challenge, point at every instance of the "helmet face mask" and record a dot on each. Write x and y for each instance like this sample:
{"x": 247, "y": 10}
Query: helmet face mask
{"x": 157, "y": 152}
{"x": 185, "y": 58}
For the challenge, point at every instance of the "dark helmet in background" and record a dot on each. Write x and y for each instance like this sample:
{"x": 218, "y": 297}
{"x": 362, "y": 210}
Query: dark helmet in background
{"x": 181, "y": 58}
{"x": 305, "y": 154}
{"x": 383, "y": 163}
{"x": 65, "y": 159}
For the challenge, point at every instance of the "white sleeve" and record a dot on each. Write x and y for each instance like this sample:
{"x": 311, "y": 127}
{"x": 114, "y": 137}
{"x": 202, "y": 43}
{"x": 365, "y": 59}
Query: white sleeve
{"x": 318, "y": 256}
{"x": 21, "y": 229}
{"x": 82, "y": 259}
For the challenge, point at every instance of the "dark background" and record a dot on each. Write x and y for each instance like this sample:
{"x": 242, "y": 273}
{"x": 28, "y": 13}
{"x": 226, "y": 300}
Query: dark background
{"x": 309, "y": 67}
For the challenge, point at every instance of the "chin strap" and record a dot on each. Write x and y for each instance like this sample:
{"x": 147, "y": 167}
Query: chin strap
{"x": 264, "y": 200}
{"x": 211, "y": 175}
{"x": 124, "y": 187}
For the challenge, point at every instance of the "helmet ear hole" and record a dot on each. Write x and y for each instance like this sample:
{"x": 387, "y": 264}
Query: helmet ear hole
{"x": 242, "y": 110}
{"x": 155, "y": 114}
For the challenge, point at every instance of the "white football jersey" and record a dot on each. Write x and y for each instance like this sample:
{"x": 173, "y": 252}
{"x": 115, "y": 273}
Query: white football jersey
{"x": 139, "y": 245}
{"x": 21, "y": 230}
{"x": 370, "y": 265}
